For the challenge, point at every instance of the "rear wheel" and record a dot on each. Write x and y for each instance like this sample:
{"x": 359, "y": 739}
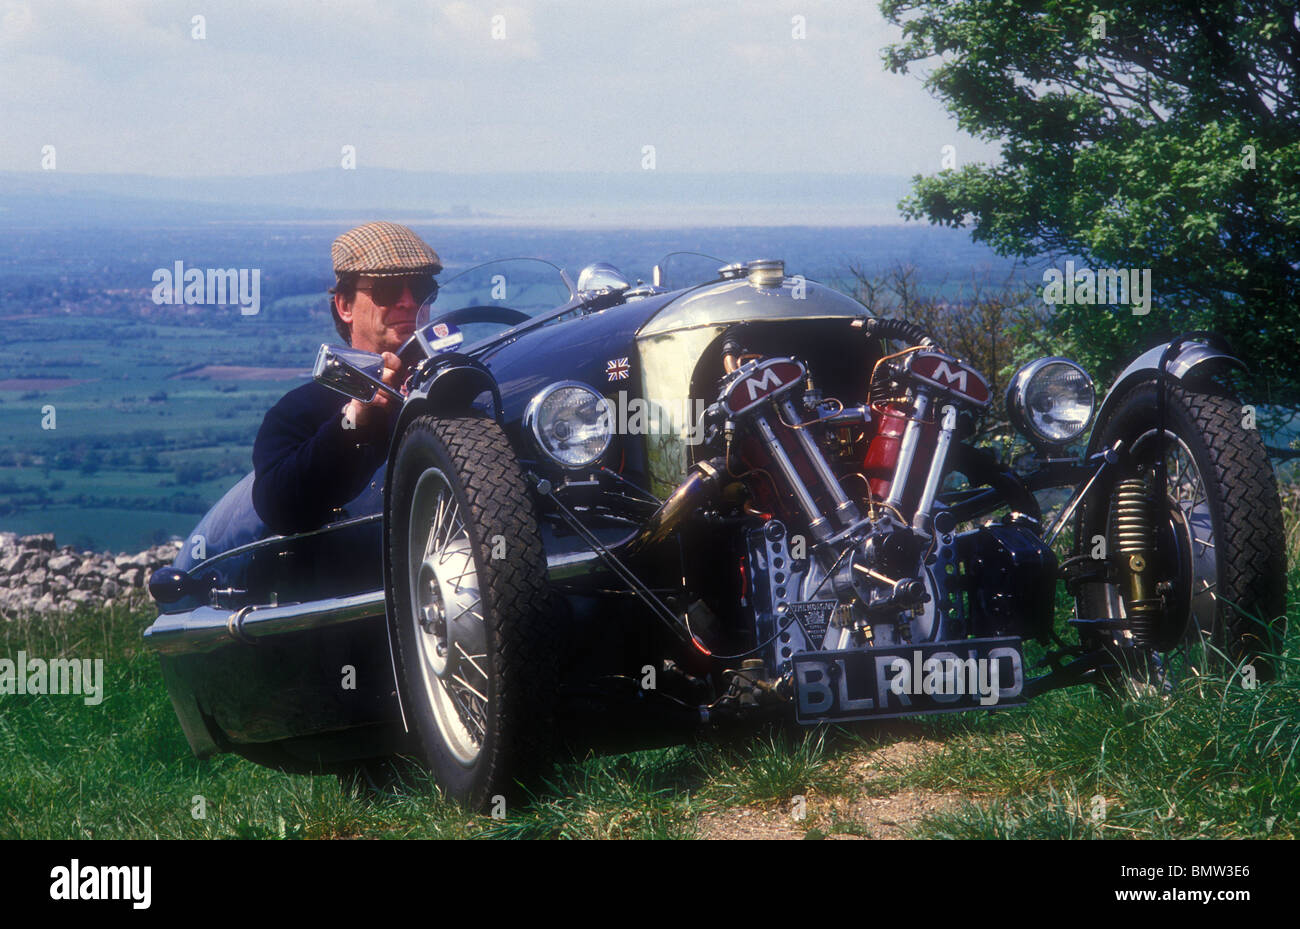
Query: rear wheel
{"x": 1220, "y": 568}
{"x": 471, "y": 627}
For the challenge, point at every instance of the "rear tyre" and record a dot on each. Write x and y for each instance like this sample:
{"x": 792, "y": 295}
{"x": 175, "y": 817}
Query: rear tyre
{"x": 472, "y": 632}
{"x": 1222, "y": 565}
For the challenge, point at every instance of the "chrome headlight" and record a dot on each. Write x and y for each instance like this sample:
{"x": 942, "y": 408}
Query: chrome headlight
{"x": 1051, "y": 400}
{"x": 571, "y": 424}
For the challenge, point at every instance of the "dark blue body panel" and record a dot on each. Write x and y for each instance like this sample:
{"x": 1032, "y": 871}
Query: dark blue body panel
{"x": 578, "y": 348}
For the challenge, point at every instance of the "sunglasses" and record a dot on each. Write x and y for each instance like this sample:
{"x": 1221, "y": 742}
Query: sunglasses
{"x": 387, "y": 291}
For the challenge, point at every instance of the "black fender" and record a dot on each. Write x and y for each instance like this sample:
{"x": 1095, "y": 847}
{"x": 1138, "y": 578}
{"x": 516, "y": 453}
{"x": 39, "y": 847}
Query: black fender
{"x": 1189, "y": 360}
{"x": 450, "y": 382}
{"x": 449, "y": 386}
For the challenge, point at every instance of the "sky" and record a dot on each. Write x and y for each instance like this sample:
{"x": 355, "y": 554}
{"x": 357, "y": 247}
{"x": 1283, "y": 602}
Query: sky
{"x": 125, "y": 87}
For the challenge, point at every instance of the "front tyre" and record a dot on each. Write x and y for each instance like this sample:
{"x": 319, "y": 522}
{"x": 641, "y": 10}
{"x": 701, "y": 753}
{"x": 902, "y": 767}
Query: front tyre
{"x": 469, "y": 586}
{"x": 1221, "y": 567}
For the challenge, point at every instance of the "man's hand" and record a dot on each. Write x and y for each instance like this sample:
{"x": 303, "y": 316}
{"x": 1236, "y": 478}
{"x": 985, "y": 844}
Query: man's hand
{"x": 359, "y": 415}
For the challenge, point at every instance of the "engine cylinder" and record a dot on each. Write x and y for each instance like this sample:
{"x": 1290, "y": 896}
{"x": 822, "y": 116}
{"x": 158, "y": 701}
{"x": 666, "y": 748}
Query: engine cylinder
{"x": 882, "y": 451}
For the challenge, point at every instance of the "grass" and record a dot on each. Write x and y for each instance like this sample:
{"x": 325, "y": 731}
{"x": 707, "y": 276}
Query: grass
{"x": 1217, "y": 760}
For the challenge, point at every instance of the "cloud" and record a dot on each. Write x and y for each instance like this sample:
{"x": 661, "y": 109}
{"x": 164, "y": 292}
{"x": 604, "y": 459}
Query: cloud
{"x": 572, "y": 85}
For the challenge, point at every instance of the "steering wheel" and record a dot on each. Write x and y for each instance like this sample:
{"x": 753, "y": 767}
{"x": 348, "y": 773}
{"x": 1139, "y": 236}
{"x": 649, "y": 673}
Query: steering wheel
{"x": 482, "y": 314}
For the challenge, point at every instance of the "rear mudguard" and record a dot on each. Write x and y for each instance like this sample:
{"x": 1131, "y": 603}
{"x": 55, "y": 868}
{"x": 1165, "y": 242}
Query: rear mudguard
{"x": 1189, "y": 362}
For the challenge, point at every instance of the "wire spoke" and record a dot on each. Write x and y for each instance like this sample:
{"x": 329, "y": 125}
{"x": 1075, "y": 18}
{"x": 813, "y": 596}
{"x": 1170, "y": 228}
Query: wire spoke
{"x": 468, "y": 686}
{"x": 431, "y": 542}
{"x": 471, "y": 715}
{"x": 470, "y": 658}
{"x": 471, "y": 611}
{"x": 453, "y": 521}
{"x": 467, "y": 571}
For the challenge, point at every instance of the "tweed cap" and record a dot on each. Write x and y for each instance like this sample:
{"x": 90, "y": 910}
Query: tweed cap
{"x": 383, "y": 250}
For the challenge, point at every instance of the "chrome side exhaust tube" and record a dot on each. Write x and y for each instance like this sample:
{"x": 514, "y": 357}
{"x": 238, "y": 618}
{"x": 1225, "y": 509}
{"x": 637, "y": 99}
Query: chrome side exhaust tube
{"x": 700, "y": 486}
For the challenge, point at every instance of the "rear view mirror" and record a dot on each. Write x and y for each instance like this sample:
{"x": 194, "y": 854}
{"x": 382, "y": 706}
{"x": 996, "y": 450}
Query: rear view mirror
{"x": 351, "y": 372}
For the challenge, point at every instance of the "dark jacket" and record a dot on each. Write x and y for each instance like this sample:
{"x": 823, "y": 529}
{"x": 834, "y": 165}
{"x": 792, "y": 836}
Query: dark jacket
{"x": 306, "y": 463}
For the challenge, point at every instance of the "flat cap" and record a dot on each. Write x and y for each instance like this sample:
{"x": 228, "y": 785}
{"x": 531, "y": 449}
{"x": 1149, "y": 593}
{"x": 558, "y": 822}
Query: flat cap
{"x": 383, "y": 250}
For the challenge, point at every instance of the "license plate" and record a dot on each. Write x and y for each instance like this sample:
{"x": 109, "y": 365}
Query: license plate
{"x": 903, "y": 680}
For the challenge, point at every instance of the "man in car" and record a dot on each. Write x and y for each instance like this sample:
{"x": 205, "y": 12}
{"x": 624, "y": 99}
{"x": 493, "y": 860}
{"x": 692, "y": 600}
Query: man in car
{"x": 315, "y": 452}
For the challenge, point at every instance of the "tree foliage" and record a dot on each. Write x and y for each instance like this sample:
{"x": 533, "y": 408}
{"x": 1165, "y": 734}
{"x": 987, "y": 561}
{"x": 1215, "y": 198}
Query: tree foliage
{"x": 1157, "y": 135}
{"x": 996, "y": 327}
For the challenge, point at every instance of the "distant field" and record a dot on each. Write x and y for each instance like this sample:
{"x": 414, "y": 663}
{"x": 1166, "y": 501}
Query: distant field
{"x": 40, "y": 383}
{"x": 136, "y": 455}
{"x": 243, "y": 373}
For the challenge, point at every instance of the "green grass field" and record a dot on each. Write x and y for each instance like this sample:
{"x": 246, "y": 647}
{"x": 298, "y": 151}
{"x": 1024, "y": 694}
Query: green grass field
{"x": 1218, "y": 761}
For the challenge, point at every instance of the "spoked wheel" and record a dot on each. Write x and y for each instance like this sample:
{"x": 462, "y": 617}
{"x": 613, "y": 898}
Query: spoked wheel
{"x": 469, "y": 586}
{"x": 1213, "y": 594}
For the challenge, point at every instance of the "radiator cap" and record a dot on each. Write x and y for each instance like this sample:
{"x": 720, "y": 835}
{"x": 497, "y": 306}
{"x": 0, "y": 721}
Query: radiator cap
{"x": 765, "y": 272}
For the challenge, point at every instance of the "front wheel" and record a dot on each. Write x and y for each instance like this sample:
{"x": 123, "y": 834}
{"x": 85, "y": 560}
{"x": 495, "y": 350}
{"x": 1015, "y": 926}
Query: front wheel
{"x": 1214, "y": 596}
{"x": 469, "y": 586}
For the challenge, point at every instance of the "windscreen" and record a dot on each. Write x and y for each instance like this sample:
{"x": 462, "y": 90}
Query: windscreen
{"x": 487, "y": 298}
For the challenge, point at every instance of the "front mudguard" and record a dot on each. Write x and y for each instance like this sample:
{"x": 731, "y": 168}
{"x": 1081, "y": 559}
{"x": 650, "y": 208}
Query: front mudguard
{"x": 1190, "y": 360}
{"x": 447, "y": 385}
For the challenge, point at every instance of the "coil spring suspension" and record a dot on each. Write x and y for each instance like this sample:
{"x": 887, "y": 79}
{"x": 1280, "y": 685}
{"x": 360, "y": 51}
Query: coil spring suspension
{"x": 1133, "y": 544}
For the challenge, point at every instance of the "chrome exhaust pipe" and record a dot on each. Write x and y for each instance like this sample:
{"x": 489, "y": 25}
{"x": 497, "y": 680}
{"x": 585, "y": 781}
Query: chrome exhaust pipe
{"x": 818, "y": 524}
{"x": 700, "y": 486}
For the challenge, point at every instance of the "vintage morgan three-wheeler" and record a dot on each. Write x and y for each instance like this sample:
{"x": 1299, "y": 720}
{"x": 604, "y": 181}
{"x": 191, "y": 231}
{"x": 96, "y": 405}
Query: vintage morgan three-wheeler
{"x": 615, "y": 512}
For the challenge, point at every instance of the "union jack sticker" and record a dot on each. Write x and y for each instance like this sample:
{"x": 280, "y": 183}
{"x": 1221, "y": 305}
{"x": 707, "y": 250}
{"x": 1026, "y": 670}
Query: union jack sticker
{"x": 617, "y": 369}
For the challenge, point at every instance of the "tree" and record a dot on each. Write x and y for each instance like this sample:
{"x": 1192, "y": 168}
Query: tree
{"x": 994, "y": 327}
{"x": 189, "y": 473}
{"x": 1156, "y": 135}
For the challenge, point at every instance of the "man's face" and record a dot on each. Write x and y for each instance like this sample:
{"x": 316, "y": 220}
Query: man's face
{"x": 382, "y": 314}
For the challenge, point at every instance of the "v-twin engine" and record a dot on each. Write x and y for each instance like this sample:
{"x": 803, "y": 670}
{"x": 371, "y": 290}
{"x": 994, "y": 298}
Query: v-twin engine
{"x": 852, "y": 549}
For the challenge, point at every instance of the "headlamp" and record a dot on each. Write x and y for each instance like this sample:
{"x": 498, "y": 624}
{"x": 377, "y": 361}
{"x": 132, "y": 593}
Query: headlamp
{"x": 1051, "y": 401}
{"x": 571, "y": 424}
